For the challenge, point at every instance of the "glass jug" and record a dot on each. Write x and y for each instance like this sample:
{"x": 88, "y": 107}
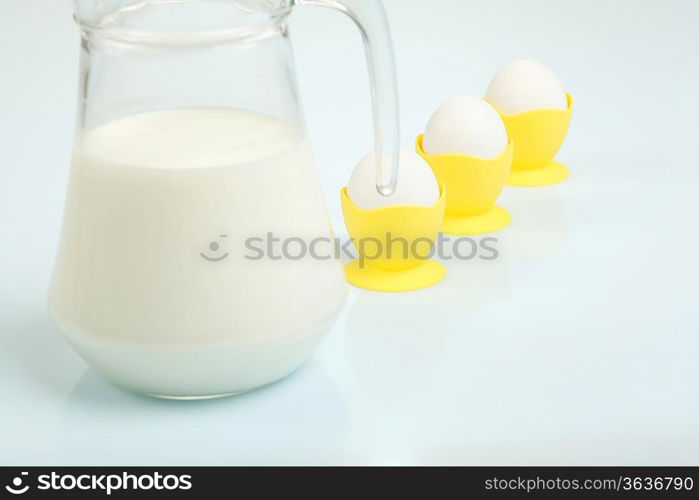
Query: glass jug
{"x": 191, "y": 162}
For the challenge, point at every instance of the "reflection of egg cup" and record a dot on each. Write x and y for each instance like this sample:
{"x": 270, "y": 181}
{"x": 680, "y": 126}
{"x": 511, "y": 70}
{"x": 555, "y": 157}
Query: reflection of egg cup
{"x": 474, "y": 185}
{"x": 538, "y": 135}
{"x": 394, "y": 245}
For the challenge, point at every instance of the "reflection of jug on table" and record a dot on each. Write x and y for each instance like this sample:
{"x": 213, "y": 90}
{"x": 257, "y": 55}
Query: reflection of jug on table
{"x": 394, "y": 342}
{"x": 225, "y": 428}
{"x": 190, "y": 142}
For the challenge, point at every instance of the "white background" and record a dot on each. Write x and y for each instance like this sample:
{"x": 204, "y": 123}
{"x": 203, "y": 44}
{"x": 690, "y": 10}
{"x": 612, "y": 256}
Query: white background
{"x": 580, "y": 345}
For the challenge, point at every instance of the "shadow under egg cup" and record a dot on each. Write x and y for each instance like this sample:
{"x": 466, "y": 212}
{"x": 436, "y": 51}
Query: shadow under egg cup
{"x": 538, "y": 135}
{"x": 394, "y": 245}
{"x": 473, "y": 184}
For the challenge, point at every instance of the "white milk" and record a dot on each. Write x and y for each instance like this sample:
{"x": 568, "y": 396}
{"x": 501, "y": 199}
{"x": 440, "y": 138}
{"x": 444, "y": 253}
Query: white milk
{"x": 151, "y": 284}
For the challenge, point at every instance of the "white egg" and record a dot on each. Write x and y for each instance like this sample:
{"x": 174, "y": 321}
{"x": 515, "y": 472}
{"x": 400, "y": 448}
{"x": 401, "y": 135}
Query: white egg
{"x": 417, "y": 184}
{"x": 525, "y": 85}
{"x": 465, "y": 125}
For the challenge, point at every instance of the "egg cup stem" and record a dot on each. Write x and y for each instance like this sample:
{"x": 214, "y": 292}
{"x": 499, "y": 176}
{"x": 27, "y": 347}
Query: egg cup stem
{"x": 542, "y": 176}
{"x": 493, "y": 220}
{"x": 427, "y": 274}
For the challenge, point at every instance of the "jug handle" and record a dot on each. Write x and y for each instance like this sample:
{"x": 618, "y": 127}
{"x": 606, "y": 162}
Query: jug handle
{"x": 370, "y": 18}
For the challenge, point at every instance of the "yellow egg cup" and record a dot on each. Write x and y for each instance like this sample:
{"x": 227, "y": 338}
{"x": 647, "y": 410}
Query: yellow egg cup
{"x": 538, "y": 135}
{"x": 394, "y": 244}
{"x": 474, "y": 185}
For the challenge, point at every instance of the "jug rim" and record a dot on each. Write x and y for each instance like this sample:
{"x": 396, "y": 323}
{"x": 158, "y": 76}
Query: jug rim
{"x": 104, "y": 18}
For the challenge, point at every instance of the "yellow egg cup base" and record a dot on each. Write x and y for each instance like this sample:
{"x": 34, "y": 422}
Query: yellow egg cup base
{"x": 493, "y": 220}
{"x": 371, "y": 278}
{"x": 538, "y": 135}
{"x": 473, "y": 186}
{"x": 543, "y": 176}
{"x": 387, "y": 272}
